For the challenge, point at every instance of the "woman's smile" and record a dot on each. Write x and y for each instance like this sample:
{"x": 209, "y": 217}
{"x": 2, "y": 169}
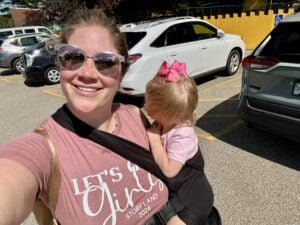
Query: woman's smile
{"x": 87, "y": 90}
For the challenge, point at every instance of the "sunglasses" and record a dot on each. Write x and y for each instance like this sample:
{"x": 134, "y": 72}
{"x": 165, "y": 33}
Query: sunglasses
{"x": 72, "y": 58}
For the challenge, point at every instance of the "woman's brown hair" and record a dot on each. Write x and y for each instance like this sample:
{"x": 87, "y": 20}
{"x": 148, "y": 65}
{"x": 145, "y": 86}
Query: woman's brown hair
{"x": 97, "y": 17}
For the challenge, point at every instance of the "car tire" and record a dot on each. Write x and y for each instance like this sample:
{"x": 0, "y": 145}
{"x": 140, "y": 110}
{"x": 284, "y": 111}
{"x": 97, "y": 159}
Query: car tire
{"x": 52, "y": 75}
{"x": 233, "y": 62}
{"x": 17, "y": 66}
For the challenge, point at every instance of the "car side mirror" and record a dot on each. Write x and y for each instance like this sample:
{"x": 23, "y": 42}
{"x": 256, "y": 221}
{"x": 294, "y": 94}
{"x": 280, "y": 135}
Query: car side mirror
{"x": 50, "y": 46}
{"x": 220, "y": 33}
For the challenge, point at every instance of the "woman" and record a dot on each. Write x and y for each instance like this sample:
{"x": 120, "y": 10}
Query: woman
{"x": 97, "y": 185}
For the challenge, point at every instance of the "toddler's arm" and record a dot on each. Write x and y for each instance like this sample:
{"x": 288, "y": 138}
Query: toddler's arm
{"x": 169, "y": 167}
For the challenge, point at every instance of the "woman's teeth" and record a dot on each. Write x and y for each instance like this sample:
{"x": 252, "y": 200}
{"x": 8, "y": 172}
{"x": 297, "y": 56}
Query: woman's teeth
{"x": 87, "y": 89}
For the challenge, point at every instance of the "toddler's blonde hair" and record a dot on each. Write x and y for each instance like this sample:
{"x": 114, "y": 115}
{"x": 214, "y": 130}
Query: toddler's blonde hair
{"x": 175, "y": 101}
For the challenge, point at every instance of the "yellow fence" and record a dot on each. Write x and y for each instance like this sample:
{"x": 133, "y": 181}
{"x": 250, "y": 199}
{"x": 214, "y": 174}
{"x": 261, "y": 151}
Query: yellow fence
{"x": 253, "y": 27}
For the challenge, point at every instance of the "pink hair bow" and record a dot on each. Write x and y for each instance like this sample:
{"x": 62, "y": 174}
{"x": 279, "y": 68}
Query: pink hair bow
{"x": 174, "y": 72}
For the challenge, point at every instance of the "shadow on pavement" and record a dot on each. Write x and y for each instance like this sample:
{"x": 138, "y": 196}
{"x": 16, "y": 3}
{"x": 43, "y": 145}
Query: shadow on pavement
{"x": 32, "y": 84}
{"x": 260, "y": 143}
{"x": 7, "y": 72}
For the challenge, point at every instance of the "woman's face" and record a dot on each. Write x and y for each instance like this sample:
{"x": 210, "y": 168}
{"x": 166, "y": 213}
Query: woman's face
{"x": 86, "y": 89}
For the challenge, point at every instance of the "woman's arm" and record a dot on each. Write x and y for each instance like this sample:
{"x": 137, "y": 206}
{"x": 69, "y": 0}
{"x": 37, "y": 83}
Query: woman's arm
{"x": 169, "y": 167}
{"x": 18, "y": 189}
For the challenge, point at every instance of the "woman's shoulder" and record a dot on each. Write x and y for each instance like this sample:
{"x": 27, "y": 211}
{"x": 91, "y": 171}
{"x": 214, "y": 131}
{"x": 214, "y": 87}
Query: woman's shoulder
{"x": 126, "y": 107}
{"x": 134, "y": 113}
{"x": 126, "y": 111}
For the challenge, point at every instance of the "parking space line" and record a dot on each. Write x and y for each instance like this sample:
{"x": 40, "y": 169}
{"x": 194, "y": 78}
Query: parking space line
{"x": 232, "y": 86}
{"x": 53, "y": 93}
{"x": 219, "y": 116}
{"x": 218, "y": 99}
{"x": 8, "y": 81}
{"x": 220, "y": 84}
{"x": 220, "y": 133}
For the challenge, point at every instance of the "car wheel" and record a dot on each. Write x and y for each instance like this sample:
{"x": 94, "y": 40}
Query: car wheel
{"x": 52, "y": 75}
{"x": 233, "y": 62}
{"x": 17, "y": 66}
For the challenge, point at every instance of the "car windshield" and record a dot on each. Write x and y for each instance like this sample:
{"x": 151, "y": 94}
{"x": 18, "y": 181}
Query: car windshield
{"x": 284, "y": 43}
{"x": 132, "y": 38}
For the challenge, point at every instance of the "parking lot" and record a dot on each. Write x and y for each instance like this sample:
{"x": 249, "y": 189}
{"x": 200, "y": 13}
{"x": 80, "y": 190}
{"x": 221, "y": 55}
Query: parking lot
{"x": 255, "y": 175}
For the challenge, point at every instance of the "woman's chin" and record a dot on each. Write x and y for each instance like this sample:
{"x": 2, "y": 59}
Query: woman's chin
{"x": 84, "y": 107}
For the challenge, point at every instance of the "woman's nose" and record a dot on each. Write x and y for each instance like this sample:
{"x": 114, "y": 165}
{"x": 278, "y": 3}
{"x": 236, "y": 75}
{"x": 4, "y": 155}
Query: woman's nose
{"x": 88, "y": 69}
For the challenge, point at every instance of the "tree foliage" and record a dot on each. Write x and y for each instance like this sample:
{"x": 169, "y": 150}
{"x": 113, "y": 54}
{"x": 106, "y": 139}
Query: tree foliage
{"x": 58, "y": 11}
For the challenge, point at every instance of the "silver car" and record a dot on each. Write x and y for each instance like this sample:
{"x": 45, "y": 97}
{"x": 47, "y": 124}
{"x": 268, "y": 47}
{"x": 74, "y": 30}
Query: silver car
{"x": 270, "y": 94}
{"x": 11, "y": 48}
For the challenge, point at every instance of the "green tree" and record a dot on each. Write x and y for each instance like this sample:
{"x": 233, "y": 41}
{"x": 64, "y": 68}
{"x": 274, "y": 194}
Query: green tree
{"x": 58, "y": 11}
{"x": 6, "y": 21}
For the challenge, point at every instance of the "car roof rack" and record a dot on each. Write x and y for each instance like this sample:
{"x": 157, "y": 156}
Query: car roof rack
{"x": 165, "y": 20}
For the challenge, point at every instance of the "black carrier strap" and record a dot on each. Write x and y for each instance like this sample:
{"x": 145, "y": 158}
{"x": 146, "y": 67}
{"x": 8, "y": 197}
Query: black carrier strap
{"x": 137, "y": 154}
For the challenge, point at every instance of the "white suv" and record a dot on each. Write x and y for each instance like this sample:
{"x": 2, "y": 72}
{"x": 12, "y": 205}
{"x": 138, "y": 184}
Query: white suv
{"x": 203, "y": 47}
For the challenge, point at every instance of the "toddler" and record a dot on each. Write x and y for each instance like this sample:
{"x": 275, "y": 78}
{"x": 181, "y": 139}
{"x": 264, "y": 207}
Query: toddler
{"x": 170, "y": 100}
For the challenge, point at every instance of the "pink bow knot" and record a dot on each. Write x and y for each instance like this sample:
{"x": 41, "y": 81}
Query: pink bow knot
{"x": 174, "y": 72}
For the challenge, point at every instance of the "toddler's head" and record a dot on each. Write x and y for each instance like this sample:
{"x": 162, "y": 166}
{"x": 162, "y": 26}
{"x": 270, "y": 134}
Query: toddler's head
{"x": 172, "y": 94}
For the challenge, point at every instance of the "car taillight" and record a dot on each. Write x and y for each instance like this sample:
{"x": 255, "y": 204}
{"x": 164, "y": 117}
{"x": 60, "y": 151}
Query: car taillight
{"x": 134, "y": 57}
{"x": 1, "y": 49}
{"x": 258, "y": 62}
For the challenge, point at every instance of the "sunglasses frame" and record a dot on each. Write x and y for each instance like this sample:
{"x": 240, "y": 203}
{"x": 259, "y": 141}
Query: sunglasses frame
{"x": 58, "y": 47}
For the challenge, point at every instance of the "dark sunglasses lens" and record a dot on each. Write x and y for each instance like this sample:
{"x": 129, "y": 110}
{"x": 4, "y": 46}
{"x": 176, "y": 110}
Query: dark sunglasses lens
{"x": 70, "y": 58}
{"x": 107, "y": 64}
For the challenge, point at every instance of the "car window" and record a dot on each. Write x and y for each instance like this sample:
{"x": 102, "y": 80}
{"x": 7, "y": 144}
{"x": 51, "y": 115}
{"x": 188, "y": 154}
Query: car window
{"x": 29, "y": 41}
{"x": 43, "y": 30}
{"x": 178, "y": 34}
{"x": 14, "y": 41}
{"x": 132, "y": 38}
{"x": 5, "y": 33}
{"x": 29, "y": 31}
{"x": 283, "y": 43}
{"x": 18, "y": 31}
{"x": 204, "y": 31}
{"x": 160, "y": 41}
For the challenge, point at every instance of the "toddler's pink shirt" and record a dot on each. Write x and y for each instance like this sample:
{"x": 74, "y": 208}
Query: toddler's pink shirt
{"x": 181, "y": 143}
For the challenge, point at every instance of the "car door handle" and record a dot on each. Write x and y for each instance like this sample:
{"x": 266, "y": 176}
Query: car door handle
{"x": 173, "y": 54}
{"x": 204, "y": 47}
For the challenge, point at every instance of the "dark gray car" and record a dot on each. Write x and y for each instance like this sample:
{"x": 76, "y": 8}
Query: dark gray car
{"x": 270, "y": 94}
{"x": 11, "y": 48}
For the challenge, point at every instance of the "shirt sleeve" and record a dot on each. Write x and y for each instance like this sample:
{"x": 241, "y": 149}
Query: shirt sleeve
{"x": 32, "y": 151}
{"x": 182, "y": 144}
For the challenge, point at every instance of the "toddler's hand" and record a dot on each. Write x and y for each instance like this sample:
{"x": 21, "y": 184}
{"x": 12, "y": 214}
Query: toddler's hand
{"x": 154, "y": 132}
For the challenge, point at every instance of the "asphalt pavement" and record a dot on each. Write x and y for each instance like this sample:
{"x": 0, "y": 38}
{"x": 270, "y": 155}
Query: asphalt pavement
{"x": 255, "y": 175}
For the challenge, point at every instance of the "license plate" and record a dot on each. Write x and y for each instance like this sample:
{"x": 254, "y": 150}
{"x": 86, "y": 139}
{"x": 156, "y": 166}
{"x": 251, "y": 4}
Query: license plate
{"x": 296, "y": 90}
